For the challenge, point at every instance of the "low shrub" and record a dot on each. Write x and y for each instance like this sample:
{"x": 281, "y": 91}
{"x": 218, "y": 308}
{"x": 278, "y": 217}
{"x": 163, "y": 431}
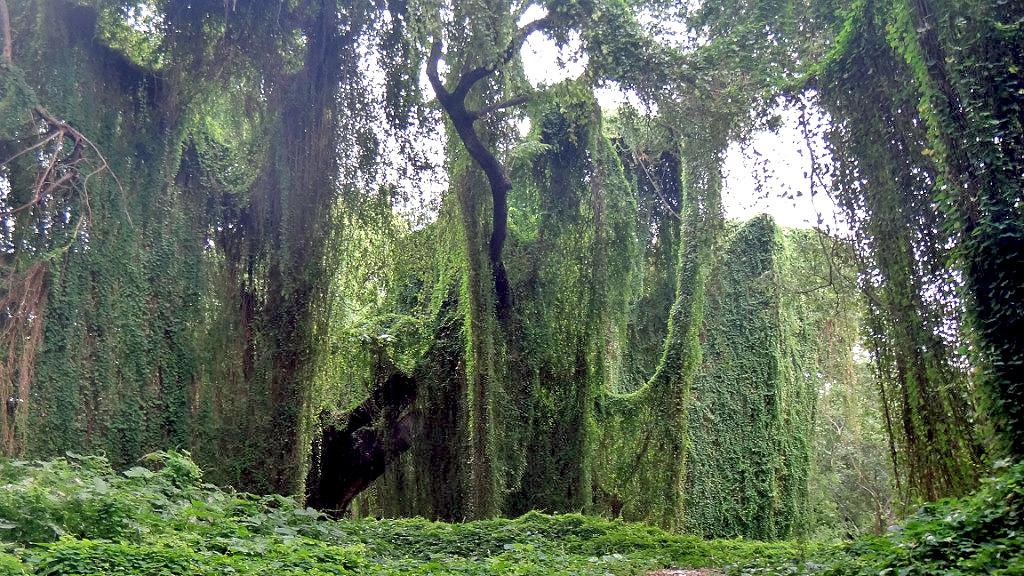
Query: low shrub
{"x": 979, "y": 534}
{"x": 77, "y": 516}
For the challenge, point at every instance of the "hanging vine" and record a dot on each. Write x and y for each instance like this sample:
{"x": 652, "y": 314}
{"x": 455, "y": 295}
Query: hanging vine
{"x": 886, "y": 178}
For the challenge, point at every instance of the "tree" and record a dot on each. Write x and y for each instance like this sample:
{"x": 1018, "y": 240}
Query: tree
{"x": 183, "y": 183}
{"x": 186, "y": 279}
{"x": 970, "y": 106}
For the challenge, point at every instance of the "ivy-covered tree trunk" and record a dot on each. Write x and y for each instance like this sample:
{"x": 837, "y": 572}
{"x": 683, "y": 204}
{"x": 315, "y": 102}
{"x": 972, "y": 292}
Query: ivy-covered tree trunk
{"x": 295, "y": 201}
{"x": 184, "y": 224}
{"x": 111, "y": 364}
{"x": 671, "y": 382}
{"x": 927, "y": 398}
{"x": 644, "y": 434}
{"x": 971, "y": 106}
{"x": 484, "y": 345}
{"x": 468, "y": 98}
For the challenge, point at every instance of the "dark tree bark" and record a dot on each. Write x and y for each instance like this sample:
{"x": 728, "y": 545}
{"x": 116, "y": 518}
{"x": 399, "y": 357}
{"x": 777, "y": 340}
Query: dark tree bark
{"x": 355, "y": 454}
{"x": 454, "y": 104}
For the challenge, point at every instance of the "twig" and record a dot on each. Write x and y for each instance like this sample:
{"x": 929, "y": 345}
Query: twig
{"x": 657, "y": 188}
{"x": 79, "y": 137}
{"x": 39, "y": 144}
{"x": 45, "y": 185}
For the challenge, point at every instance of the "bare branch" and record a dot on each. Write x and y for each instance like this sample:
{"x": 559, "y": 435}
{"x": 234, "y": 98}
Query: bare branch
{"x": 35, "y": 146}
{"x": 523, "y": 33}
{"x": 48, "y": 182}
{"x": 435, "y": 80}
{"x": 79, "y": 139}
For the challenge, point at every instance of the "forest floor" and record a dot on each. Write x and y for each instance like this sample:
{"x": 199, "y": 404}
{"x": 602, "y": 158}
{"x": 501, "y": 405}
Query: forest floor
{"x": 697, "y": 572}
{"x": 78, "y": 516}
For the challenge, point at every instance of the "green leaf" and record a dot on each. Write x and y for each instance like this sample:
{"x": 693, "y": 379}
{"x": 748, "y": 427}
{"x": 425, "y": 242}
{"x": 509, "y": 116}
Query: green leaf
{"x": 139, "y": 472}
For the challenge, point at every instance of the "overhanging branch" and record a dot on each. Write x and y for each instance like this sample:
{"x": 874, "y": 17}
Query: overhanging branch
{"x": 486, "y": 110}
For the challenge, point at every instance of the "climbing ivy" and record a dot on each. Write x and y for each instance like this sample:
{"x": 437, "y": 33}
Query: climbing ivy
{"x": 205, "y": 247}
{"x": 577, "y": 414}
{"x": 886, "y": 183}
{"x": 754, "y": 398}
{"x": 177, "y": 248}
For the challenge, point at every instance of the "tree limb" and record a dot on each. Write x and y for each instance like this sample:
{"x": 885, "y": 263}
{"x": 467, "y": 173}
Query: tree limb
{"x": 454, "y": 104}
{"x": 642, "y": 162}
{"x": 48, "y": 181}
{"x": 352, "y": 456}
{"x": 435, "y": 81}
{"x": 486, "y": 110}
{"x": 523, "y": 33}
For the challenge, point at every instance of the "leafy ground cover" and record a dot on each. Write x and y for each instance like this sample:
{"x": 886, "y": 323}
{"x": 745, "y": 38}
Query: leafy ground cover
{"x": 979, "y": 534}
{"x": 78, "y": 516}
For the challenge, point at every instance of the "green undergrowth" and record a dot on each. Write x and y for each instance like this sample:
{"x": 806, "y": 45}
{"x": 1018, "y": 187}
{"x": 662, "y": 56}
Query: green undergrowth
{"x": 78, "y": 516}
{"x": 978, "y": 534}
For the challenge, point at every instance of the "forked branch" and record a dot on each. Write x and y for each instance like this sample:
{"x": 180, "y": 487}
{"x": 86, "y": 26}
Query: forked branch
{"x": 62, "y": 169}
{"x": 454, "y": 104}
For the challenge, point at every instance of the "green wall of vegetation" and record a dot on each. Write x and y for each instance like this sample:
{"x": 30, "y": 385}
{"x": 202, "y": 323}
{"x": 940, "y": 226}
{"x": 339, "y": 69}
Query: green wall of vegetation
{"x": 206, "y": 244}
{"x": 573, "y": 431}
{"x": 168, "y": 258}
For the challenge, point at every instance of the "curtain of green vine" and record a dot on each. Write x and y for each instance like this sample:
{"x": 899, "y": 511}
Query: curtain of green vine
{"x": 913, "y": 314}
{"x": 965, "y": 61}
{"x": 187, "y": 277}
{"x": 774, "y": 333}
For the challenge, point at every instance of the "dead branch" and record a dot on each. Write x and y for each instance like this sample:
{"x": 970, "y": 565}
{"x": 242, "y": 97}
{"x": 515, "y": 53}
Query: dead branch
{"x": 35, "y": 146}
{"x": 67, "y": 166}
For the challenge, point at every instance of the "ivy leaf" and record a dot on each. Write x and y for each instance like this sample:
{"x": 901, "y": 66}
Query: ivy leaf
{"x": 139, "y": 472}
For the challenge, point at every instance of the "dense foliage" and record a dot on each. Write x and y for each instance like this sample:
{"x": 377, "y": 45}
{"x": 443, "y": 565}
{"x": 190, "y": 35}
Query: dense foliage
{"x": 167, "y": 266}
{"x": 904, "y": 248}
{"x": 77, "y": 516}
{"x": 977, "y": 534}
{"x": 221, "y": 234}
{"x": 763, "y": 300}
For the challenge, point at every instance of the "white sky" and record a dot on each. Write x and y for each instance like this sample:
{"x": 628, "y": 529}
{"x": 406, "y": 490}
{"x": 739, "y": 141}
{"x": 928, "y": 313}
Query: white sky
{"x": 780, "y": 160}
